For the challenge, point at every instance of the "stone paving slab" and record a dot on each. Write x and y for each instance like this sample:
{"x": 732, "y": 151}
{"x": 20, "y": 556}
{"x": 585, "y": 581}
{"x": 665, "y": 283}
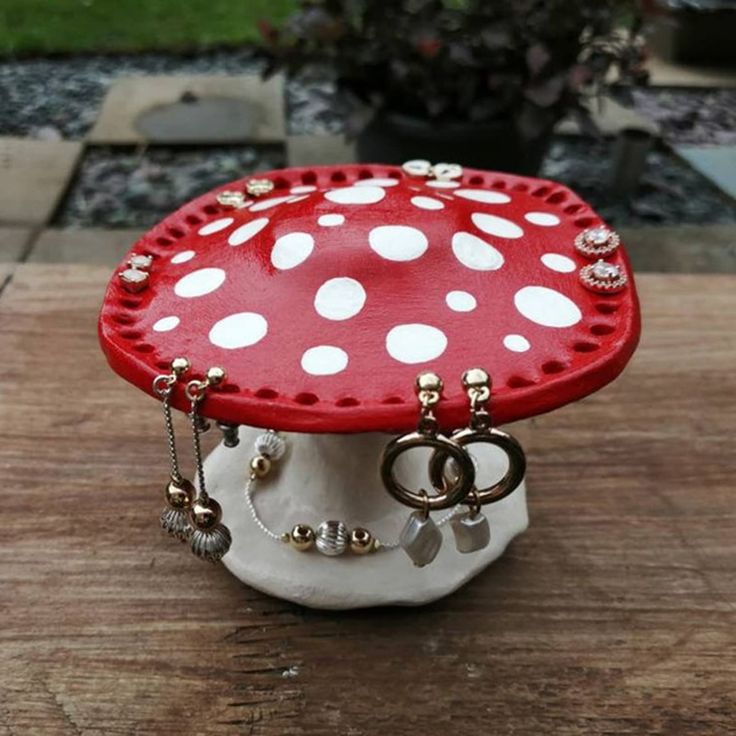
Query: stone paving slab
{"x": 315, "y": 150}
{"x": 33, "y": 178}
{"x": 13, "y": 243}
{"x": 717, "y": 163}
{"x": 130, "y": 97}
{"x": 665, "y": 73}
{"x": 93, "y": 247}
{"x": 682, "y": 248}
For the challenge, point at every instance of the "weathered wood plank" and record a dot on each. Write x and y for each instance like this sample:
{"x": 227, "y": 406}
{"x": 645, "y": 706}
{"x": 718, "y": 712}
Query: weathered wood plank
{"x": 613, "y": 614}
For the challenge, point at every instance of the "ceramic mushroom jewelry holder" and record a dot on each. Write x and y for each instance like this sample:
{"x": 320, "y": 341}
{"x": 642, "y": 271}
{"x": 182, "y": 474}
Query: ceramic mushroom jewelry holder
{"x": 359, "y": 334}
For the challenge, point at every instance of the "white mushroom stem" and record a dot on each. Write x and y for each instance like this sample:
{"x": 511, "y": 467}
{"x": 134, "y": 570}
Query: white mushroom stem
{"x": 324, "y": 477}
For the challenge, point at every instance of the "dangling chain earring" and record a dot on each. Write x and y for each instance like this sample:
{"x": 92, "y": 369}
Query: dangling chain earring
{"x": 180, "y": 492}
{"x": 421, "y": 538}
{"x": 209, "y": 538}
{"x": 471, "y": 529}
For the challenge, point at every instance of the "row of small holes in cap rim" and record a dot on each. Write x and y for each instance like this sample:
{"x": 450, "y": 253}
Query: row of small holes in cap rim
{"x": 549, "y": 191}
{"x": 181, "y": 222}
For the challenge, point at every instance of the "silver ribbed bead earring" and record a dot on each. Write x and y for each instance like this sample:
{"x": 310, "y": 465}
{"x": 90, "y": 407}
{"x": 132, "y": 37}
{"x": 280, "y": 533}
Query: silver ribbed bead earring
{"x": 209, "y": 539}
{"x": 179, "y": 492}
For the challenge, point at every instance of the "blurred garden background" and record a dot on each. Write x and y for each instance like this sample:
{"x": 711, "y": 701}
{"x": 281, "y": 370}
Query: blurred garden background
{"x": 114, "y": 113}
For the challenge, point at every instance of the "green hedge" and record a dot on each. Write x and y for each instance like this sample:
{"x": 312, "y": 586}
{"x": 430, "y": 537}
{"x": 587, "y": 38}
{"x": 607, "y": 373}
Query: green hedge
{"x": 64, "y": 26}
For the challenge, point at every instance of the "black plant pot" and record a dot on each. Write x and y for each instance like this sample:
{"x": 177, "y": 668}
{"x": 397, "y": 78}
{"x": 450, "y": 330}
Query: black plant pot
{"x": 393, "y": 138}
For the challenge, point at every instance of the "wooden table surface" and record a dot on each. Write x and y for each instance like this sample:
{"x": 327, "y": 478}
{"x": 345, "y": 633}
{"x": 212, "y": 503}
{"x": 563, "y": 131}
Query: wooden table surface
{"x": 613, "y": 614}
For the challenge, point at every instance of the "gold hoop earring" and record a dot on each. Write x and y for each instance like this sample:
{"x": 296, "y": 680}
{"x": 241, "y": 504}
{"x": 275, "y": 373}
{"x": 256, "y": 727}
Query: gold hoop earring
{"x": 471, "y": 529}
{"x": 420, "y": 538}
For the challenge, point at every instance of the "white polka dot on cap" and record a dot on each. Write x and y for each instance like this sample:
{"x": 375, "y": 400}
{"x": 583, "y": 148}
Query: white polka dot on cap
{"x": 442, "y": 184}
{"x": 238, "y": 330}
{"x": 547, "y": 307}
{"x": 324, "y": 360}
{"x": 516, "y": 343}
{"x": 291, "y": 250}
{"x": 340, "y": 298}
{"x": 198, "y": 283}
{"x": 266, "y": 204}
{"x": 415, "y": 343}
{"x": 398, "y": 242}
{"x": 427, "y": 203}
{"x": 461, "y": 301}
{"x": 215, "y": 226}
{"x": 166, "y": 324}
{"x": 331, "y": 220}
{"x": 543, "y": 219}
{"x": 376, "y": 183}
{"x": 475, "y": 253}
{"x": 483, "y": 195}
{"x": 558, "y": 262}
{"x": 498, "y": 226}
{"x": 245, "y": 232}
{"x": 356, "y": 195}
{"x": 183, "y": 257}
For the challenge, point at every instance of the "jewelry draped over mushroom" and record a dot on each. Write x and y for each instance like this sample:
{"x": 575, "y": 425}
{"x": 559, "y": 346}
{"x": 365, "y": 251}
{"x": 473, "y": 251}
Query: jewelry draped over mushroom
{"x": 322, "y": 292}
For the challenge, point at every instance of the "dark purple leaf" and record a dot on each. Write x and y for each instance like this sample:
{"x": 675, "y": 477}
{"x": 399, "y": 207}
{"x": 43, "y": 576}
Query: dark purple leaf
{"x": 537, "y": 57}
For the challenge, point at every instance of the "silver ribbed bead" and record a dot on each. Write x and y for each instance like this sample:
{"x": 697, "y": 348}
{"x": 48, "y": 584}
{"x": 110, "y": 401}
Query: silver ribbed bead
{"x": 212, "y": 544}
{"x": 176, "y": 523}
{"x": 270, "y": 445}
{"x": 332, "y": 538}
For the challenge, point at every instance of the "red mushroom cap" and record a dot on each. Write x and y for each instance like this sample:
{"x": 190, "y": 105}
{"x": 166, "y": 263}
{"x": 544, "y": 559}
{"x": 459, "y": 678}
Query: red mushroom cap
{"x": 324, "y": 298}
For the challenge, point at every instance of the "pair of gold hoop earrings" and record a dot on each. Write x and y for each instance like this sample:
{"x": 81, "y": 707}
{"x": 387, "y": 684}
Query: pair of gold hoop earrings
{"x": 452, "y": 470}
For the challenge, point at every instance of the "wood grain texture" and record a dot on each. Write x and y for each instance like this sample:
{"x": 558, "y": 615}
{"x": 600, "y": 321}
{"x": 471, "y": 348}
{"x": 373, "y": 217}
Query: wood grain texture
{"x": 613, "y": 614}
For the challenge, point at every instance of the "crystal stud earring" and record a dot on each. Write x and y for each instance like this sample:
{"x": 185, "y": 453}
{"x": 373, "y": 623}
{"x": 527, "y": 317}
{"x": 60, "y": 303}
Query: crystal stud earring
{"x": 597, "y": 242}
{"x": 231, "y": 199}
{"x": 259, "y": 187}
{"x": 602, "y": 277}
{"x": 135, "y": 278}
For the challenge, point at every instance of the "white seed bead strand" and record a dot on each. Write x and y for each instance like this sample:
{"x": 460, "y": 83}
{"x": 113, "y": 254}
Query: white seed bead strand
{"x": 257, "y": 519}
{"x": 267, "y": 440}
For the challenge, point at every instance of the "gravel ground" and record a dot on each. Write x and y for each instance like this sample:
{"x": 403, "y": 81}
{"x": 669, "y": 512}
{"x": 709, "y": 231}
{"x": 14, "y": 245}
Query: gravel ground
{"x": 120, "y": 188}
{"x": 60, "y": 98}
{"x": 690, "y": 116}
{"x": 671, "y": 193}
{"x": 123, "y": 188}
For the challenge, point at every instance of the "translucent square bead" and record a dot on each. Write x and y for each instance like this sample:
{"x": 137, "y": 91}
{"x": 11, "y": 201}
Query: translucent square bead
{"x": 471, "y": 531}
{"x": 421, "y": 539}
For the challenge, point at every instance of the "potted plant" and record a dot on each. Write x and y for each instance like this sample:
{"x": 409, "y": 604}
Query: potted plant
{"x": 470, "y": 81}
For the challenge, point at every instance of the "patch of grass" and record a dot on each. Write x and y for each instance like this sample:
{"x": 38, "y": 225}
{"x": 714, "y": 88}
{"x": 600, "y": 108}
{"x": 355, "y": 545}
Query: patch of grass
{"x": 79, "y": 26}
